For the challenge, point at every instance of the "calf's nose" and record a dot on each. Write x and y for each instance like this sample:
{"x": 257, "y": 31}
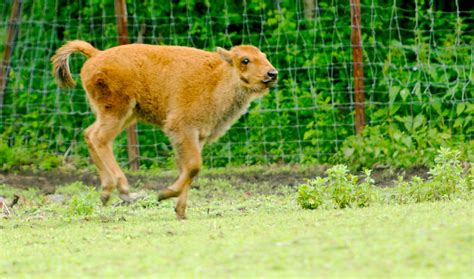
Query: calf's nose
{"x": 273, "y": 74}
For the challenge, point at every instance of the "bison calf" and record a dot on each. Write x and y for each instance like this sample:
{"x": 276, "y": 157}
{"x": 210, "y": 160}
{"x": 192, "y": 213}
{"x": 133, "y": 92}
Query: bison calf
{"x": 193, "y": 95}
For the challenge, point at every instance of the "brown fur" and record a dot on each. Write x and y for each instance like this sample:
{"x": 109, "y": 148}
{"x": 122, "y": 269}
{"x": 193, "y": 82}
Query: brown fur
{"x": 193, "y": 95}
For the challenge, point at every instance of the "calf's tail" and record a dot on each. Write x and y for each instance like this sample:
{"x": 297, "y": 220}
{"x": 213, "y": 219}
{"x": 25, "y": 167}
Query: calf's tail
{"x": 60, "y": 60}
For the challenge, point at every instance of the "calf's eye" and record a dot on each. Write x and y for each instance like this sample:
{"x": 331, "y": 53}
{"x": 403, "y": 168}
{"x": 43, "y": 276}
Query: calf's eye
{"x": 245, "y": 61}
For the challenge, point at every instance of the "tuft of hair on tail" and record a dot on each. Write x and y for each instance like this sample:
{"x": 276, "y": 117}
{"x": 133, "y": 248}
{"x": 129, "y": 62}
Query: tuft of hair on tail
{"x": 60, "y": 60}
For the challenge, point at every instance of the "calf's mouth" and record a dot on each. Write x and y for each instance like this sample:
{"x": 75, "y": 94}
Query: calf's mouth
{"x": 269, "y": 82}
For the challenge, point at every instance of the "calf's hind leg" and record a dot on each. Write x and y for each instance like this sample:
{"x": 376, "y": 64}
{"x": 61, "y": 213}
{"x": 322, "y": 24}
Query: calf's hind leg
{"x": 99, "y": 138}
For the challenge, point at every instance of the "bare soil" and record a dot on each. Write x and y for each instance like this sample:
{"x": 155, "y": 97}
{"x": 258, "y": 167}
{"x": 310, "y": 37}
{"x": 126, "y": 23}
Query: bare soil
{"x": 48, "y": 181}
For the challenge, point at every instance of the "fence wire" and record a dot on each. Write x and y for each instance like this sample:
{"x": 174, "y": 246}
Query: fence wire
{"x": 418, "y": 72}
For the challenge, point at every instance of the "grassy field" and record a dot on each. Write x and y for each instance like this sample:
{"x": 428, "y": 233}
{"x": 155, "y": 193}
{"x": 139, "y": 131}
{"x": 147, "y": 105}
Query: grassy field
{"x": 245, "y": 231}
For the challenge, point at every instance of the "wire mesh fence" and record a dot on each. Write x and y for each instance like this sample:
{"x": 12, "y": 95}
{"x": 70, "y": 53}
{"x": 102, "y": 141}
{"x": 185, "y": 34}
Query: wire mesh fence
{"x": 417, "y": 56}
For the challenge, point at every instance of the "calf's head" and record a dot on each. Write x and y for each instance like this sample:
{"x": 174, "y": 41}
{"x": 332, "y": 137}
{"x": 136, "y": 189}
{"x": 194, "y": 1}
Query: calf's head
{"x": 256, "y": 73}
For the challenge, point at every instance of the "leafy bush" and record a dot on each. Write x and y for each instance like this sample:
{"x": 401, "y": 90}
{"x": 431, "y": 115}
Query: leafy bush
{"x": 339, "y": 189}
{"x": 446, "y": 180}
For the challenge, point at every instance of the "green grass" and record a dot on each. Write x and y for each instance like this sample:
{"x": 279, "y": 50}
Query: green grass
{"x": 237, "y": 232}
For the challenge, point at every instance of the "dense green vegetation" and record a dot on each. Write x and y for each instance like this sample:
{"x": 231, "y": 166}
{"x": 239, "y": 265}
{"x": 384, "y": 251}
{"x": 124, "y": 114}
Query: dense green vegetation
{"x": 340, "y": 189}
{"x": 418, "y": 78}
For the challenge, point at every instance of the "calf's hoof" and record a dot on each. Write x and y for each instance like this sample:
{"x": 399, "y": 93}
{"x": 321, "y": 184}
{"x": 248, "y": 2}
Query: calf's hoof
{"x": 181, "y": 217}
{"x": 180, "y": 213}
{"x": 104, "y": 198}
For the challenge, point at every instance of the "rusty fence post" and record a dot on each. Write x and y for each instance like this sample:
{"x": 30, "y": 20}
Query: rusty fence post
{"x": 132, "y": 140}
{"x": 358, "y": 66}
{"x": 9, "y": 46}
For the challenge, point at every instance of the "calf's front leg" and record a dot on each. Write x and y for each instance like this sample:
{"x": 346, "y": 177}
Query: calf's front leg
{"x": 188, "y": 155}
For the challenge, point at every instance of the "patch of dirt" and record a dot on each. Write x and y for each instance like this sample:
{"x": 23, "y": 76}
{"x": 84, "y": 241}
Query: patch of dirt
{"x": 47, "y": 181}
{"x": 274, "y": 175}
{"x": 387, "y": 177}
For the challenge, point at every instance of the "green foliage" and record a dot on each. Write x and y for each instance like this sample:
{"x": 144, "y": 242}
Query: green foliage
{"x": 11, "y": 157}
{"x": 26, "y": 155}
{"x": 339, "y": 189}
{"x": 389, "y": 146}
{"x": 417, "y": 67}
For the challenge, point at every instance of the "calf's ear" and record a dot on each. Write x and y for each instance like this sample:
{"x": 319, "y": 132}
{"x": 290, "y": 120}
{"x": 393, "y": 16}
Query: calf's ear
{"x": 225, "y": 54}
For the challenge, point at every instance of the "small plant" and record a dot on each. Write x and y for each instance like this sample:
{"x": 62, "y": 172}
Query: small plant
{"x": 341, "y": 185}
{"x": 403, "y": 192}
{"x": 364, "y": 192}
{"x": 339, "y": 189}
{"x": 311, "y": 195}
{"x": 83, "y": 204}
{"x": 470, "y": 179}
{"x": 447, "y": 174}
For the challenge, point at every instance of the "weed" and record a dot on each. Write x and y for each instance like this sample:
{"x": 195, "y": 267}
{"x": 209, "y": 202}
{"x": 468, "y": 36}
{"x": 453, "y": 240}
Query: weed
{"x": 447, "y": 174}
{"x": 341, "y": 184}
{"x": 364, "y": 192}
{"x": 470, "y": 179}
{"x": 340, "y": 189}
